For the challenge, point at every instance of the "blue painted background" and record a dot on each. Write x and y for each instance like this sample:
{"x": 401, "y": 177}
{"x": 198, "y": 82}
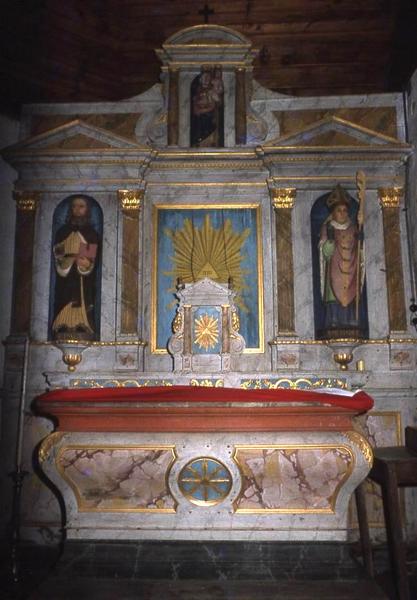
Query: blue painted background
{"x": 241, "y": 219}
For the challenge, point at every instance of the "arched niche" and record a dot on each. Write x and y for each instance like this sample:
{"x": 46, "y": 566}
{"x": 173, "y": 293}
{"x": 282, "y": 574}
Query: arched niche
{"x": 339, "y": 287}
{"x": 75, "y": 284}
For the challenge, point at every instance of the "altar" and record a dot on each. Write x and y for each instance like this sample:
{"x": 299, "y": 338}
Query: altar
{"x": 210, "y": 306}
{"x": 203, "y": 463}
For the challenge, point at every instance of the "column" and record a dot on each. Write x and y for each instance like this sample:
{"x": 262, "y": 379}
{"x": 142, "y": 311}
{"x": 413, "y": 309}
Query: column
{"x": 130, "y": 203}
{"x": 240, "y": 106}
{"x": 283, "y": 202}
{"x": 389, "y": 199}
{"x": 26, "y": 204}
{"x": 225, "y": 329}
{"x": 173, "y": 107}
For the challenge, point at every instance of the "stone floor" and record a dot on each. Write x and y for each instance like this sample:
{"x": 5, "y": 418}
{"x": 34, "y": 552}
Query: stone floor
{"x": 195, "y": 571}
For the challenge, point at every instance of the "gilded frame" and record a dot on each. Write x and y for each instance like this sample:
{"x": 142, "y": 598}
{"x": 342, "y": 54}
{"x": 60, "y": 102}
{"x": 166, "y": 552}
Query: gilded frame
{"x": 259, "y": 349}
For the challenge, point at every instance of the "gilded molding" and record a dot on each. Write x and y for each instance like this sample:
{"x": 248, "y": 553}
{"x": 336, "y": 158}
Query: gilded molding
{"x": 26, "y": 201}
{"x": 207, "y": 383}
{"x": 130, "y": 199}
{"x": 47, "y": 443}
{"x": 283, "y": 197}
{"x": 390, "y": 197}
{"x": 119, "y": 383}
{"x": 277, "y": 341}
{"x": 190, "y": 165}
{"x": 364, "y": 446}
{"x": 301, "y": 383}
{"x": 133, "y": 342}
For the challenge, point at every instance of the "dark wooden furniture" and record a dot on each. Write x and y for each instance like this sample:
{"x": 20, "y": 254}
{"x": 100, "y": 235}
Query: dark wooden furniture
{"x": 393, "y": 467}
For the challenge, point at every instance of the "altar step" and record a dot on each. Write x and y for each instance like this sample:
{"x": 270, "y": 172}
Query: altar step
{"x": 159, "y": 570}
{"x": 110, "y": 589}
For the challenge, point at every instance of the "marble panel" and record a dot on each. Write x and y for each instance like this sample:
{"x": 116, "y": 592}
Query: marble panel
{"x": 379, "y": 118}
{"x": 291, "y": 479}
{"x": 120, "y": 123}
{"x": 115, "y": 479}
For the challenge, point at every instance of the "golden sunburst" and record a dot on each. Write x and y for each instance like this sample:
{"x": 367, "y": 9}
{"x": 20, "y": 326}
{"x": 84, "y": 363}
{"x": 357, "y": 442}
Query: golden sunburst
{"x": 208, "y": 252}
{"x": 206, "y": 331}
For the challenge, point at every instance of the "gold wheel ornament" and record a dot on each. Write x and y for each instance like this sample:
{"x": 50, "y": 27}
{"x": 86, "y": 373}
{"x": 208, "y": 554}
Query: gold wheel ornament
{"x": 205, "y": 481}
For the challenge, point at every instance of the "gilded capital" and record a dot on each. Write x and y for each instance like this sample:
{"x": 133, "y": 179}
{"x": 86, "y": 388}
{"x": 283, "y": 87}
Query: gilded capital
{"x": 283, "y": 197}
{"x": 130, "y": 199}
{"x": 390, "y": 197}
{"x": 26, "y": 201}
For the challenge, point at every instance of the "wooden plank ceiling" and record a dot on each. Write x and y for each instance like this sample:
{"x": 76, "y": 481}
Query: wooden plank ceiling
{"x": 86, "y": 50}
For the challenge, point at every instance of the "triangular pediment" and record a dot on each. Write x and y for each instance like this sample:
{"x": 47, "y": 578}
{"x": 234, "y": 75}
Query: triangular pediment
{"x": 335, "y": 132}
{"x": 75, "y": 135}
{"x": 205, "y": 291}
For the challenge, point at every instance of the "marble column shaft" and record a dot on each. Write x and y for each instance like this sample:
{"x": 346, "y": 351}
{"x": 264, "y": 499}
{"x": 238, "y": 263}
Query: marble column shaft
{"x": 283, "y": 201}
{"x": 26, "y": 203}
{"x": 225, "y": 329}
{"x": 173, "y": 108}
{"x": 240, "y": 106}
{"x": 130, "y": 204}
{"x": 187, "y": 329}
{"x": 390, "y": 203}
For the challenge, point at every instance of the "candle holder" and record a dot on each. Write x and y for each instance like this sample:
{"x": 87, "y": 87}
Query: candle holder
{"x": 72, "y": 351}
{"x": 343, "y": 351}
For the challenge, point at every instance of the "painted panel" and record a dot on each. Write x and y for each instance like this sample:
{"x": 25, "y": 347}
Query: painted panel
{"x": 222, "y": 243}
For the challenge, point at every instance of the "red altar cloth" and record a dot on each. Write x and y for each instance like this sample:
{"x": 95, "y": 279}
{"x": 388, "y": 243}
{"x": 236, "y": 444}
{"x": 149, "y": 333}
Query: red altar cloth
{"x": 192, "y": 408}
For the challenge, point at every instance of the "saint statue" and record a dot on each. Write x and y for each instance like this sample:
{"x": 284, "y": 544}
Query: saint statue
{"x": 342, "y": 271}
{"x": 75, "y": 252}
{"x": 206, "y": 123}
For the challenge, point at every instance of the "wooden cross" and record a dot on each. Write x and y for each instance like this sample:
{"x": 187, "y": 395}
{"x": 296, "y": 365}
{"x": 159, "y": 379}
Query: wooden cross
{"x": 206, "y": 12}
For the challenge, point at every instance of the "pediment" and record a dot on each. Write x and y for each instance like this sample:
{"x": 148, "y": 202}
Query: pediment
{"x": 75, "y": 135}
{"x": 336, "y": 132}
{"x": 206, "y": 44}
{"x": 203, "y": 35}
{"x": 205, "y": 291}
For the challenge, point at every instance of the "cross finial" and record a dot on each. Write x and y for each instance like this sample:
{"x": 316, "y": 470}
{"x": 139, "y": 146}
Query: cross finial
{"x": 206, "y": 12}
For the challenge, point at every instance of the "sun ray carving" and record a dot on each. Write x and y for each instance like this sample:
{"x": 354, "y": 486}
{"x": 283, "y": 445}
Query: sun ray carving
{"x": 206, "y": 331}
{"x": 208, "y": 252}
